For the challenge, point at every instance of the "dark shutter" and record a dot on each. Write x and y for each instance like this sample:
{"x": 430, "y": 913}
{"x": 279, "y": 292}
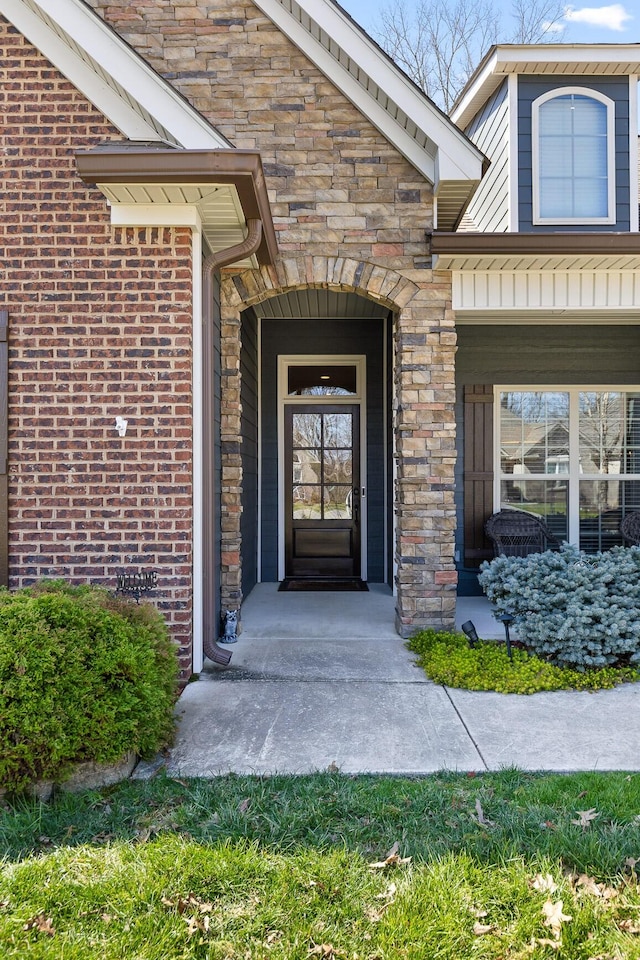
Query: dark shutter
{"x": 478, "y": 471}
{"x": 4, "y": 431}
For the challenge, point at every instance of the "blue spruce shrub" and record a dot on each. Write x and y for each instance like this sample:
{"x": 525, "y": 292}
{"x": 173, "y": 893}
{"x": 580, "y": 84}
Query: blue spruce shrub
{"x": 573, "y": 609}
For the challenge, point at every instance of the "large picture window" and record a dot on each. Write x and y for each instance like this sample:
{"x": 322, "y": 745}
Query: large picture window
{"x": 571, "y": 456}
{"x": 573, "y": 157}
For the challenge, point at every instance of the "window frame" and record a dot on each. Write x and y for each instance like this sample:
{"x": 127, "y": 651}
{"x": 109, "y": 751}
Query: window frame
{"x": 574, "y": 475}
{"x": 537, "y": 218}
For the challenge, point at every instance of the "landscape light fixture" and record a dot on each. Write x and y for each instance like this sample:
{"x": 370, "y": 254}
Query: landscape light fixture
{"x": 470, "y": 631}
{"x": 507, "y": 619}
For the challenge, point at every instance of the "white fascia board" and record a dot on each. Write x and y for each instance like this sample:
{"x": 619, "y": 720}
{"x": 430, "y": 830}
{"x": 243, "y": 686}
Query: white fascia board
{"x": 459, "y": 154}
{"x": 472, "y": 91}
{"x": 156, "y": 215}
{"x": 557, "y": 54}
{"x": 184, "y": 125}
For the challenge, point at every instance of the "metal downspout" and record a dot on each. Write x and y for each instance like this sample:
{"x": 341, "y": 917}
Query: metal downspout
{"x": 213, "y": 262}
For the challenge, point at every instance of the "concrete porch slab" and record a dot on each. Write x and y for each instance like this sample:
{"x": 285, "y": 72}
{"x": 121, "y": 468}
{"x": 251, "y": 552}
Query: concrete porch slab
{"x": 268, "y": 614}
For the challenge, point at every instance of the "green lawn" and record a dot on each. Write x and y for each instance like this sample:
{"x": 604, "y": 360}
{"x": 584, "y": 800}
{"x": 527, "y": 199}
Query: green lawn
{"x": 448, "y": 867}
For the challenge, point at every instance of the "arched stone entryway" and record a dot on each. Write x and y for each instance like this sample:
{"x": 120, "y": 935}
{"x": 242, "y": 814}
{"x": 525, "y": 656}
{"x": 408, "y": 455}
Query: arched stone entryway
{"x": 424, "y": 425}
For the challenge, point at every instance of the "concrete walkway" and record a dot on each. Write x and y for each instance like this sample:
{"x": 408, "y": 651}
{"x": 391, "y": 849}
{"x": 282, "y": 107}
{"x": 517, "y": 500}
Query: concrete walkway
{"x": 321, "y": 680}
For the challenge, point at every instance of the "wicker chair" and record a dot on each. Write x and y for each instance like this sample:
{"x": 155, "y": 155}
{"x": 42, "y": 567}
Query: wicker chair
{"x": 630, "y": 528}
{"x": 515, "y": 533}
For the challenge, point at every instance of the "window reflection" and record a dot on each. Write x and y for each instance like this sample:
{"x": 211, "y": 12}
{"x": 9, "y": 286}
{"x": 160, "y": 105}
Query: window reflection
{"x": 322, "y": 380}
{"x": 539, "y": 466}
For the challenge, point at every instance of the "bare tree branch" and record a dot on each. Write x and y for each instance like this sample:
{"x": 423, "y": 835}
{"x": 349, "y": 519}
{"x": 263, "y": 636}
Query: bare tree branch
{"x": 440, "y": 42}
{"x": 537, "y": 21}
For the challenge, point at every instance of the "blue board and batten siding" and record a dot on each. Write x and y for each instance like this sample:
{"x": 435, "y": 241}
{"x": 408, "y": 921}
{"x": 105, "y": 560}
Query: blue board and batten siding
{"x": 323, "y": 338}
{"x": 488, "y": 211}
{"x": 529, "y": 89}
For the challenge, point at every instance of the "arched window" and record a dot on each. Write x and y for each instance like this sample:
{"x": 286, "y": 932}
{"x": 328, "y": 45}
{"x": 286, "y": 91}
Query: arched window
{"x": 573, "y": 157}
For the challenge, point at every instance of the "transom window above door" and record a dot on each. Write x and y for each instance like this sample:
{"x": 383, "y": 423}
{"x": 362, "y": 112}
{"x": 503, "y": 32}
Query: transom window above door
{"x": 573, "y": 145}
{"x": 571, "y": 456}
{"x": 322, "y": 380}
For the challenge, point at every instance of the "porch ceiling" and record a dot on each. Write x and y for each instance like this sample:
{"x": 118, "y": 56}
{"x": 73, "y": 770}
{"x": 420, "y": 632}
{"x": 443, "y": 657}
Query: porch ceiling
{"x": 313, "y": 303}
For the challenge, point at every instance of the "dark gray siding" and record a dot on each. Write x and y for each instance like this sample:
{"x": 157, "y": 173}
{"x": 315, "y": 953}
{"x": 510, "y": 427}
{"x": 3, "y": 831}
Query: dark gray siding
{"x": 537, "y": 356}
{"x": 249, "y": 450}
{"x": 286, "y": 337}
{"x": 529, "y": 89}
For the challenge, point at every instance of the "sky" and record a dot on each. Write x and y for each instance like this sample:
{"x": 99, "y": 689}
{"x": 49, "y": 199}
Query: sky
{"x": 606, "y": 23}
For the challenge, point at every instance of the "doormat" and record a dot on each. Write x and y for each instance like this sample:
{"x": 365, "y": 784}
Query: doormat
{"x": 307, "y": 585}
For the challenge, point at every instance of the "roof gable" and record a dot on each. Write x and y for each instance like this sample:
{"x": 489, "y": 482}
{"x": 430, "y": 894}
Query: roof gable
{"x": 564, "y": 60}
{"x": 142, "y": 105}
{"x": 386, "y": 96}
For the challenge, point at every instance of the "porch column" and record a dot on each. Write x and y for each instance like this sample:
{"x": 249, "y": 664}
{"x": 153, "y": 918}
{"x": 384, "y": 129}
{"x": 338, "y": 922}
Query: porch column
{"x": 425, "y": 341}
{"x": 231, "y": 462}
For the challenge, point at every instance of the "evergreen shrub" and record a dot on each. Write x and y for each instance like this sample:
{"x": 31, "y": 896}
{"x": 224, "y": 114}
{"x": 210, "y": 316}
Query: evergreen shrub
{"x": 572, "y": 609}
{"x": 83, "y": 676}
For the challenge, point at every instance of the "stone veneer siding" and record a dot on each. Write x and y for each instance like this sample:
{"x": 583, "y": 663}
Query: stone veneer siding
{"x": 99, "y": 325}
{"x": 350, "y": 214}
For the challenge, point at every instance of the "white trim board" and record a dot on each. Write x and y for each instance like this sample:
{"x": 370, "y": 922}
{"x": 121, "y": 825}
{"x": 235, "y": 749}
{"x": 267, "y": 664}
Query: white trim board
{"x": 553, "y": 290}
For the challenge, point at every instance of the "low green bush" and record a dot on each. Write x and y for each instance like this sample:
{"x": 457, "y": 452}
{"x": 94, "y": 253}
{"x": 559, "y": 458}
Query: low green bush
{"x": 573, "y": 609}
{"x": 83, "y": 676}
{"x": 448, "y": 658}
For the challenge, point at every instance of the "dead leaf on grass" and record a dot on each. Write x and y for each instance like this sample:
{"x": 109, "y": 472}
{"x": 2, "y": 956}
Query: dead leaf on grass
{"x": 554, "y": 917}
{"x": 40, "y": 923}
{"x": 544, "y": 942}
{"x": 477, "y": 912}
{"x": 182, "y": 904}
{"x": 196, "y": 925}
{"x": 324, "y": 950}
{"x": 392, "y": 859}
{"x": 586, "y": 884}
{"x": 480, "y": 929}
{"x": 586, "y": 816}
{"x": 544, "y": 883}
{"x": 629, "y": 926}
{"x": 243, "y": 806}
{"x": 480, "y": 817}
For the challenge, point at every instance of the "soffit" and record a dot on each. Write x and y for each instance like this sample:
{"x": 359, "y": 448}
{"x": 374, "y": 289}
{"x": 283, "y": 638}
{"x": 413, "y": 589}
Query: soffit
{"x": 218, "y": 207}
{"x": 563, "y": 60}
{"x": 317, "y": 303}
{"x": 217, "y": 190}
{"x": 536, "y": 251}
{"x": 568, "y": 261}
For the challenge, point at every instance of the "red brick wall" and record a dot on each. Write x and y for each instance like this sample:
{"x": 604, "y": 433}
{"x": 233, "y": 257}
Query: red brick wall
{"x": 99, "y": 326}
